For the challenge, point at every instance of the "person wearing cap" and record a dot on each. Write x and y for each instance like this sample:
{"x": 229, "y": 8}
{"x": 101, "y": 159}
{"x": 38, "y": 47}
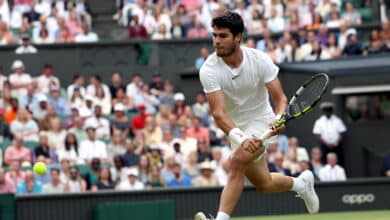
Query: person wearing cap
{"x": 19, "y": 79}
{"x": 353, "y": 46}
{"x": 131, "y": 183}
{"x": 26, "y": 47}
{"x": 138, "y": 121}
{"x": 330, "y": 130}
{"x": 179, "y": 106}
{"x": 207, "y": 177}
{"x": 47, "y": 79}
{"x": 119, "y": 120}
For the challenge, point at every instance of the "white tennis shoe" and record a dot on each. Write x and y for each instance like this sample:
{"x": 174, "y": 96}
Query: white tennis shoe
{"x": 309, "y": 195}
{"x": 202, "y": 216}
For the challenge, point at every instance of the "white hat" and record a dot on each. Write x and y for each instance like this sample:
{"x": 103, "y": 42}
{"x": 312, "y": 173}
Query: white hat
{"x": 206, "y": 165}
{"x": 179, "y": 97}
{"x": 42, "y": 98}
{"x": 119, "y": 107}
{"x": 17, "y": 64}
{"x": 132, "y": 171}
{"x": 351, "y": 31}
{"x": 326, "y": 105}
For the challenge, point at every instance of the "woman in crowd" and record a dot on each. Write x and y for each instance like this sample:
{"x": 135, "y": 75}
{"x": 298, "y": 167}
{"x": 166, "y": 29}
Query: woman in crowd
{"x": 105, "y": 181}
{"x": 71, "y": 149}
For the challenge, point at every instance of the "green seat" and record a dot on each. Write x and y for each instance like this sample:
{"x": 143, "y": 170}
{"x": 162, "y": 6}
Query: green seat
{"x": 31, "y": 144}
{"x": 366, "y": 14}
{"x": 4, "y": 144}
{"x": 63, "y": 117}
{"x": 105, "y": 140}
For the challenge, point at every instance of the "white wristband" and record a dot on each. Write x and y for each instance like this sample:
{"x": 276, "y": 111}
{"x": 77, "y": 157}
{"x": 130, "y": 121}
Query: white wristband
{"x": 277, "y": 117}
{"x": 237, "y": 136}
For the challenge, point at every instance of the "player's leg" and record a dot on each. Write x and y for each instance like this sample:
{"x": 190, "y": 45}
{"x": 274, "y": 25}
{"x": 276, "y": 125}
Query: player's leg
{"x": 264, "y": 181}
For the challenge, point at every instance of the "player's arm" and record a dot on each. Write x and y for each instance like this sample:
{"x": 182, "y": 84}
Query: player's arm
{"x": 279, "y": 99}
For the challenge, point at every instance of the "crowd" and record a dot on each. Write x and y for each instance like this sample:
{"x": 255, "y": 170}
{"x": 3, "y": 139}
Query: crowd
{"x": 45, "y": 22}
{"x": 128, "y": 136}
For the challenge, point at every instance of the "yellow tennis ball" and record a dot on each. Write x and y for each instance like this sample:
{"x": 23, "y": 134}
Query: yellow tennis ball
{"x": 40, "y": 168}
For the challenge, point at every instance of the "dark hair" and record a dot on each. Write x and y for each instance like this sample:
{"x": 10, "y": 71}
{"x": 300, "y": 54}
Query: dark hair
{"x": 55, "y": 169}
{"x": 231, "y": 20}
{"x": 97, "y": 77}
{"x": 68, "y": 145}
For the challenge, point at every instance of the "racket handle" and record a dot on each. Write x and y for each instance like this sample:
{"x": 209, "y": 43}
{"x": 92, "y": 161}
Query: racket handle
{"x": 266, "y": 135}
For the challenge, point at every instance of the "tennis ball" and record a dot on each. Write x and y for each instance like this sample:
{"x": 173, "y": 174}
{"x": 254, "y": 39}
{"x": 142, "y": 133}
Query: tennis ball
{"x": 40, "y": 168}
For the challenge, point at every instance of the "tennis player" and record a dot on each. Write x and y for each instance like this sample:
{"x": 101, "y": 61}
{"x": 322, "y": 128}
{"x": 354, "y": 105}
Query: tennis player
{"x": 238, "y": 81}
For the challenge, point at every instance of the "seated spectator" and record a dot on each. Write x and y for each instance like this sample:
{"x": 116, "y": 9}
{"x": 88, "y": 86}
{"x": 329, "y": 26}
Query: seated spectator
{"x": 6, "y": 185}
{"x": 201, "y": 108}
{"x": 86, "y": 36}
{"x": 317, "y": 22}
{"x": 12, "y": 112}
{"x": 102, "y": 124}
{"x": 162, "y": 33}
{"x": 139, "y": 120}
{"x": 191, "y": 168}
{"x": 166, "y": 145}
{"x": 19, "y": 79}
{"x": 103, "y": 99}
{"x": 198, "y": 31}
{"x": 105, "y": 181}
{"x": 315, "y": 162}
{"x": 332, "y": 47}
{"x": 303, "y": 166}
{"x": 75, "y": 182}
{"x": 332, "y": 171}
{"x": 376, "y": 44}
{"x": 155, "y": 180}
{"x": 177, "y": 30}
{"x": 317, "y": 53}
{"x": 154, "y": 156}
{"x": 198, "y": 131}
{"x": 119, "y": 120}
{"x": 262, "y": 44}
{"x": 385, "y": 30}
{"x": 132, "y": 183}
{"x": 116, "y": 84}
{"x": 122, "y": 98}
{"x": 6, "y": 36}
{"x": 206, "y": 177}
{"x": 386, "y": 167}
{"x": 293, "y": 24}
{"x": 43, "y": 37}
{"x": 187, "y": 144}
{"x": 79, "y": 130}
{"x": 24, "y": 126}
{"x": 29, "y": 185}
{"x": 152, "y": 132}
{"x": 277, "y": 165}
{"x": 136, "y": 30}
{"x": 301, "y": 152}
{"x": 15, "y": 174}
{"x": 5, "y": 133}
{"x": 274, "y": 53}
{"x": 353, "y": 46}
{"x": 95, "y": 83}
{"x": 70, "y": 150}
{"x": 58, "y": 102}
{"x": 290, "y": 162}
{"x": 47, "y": 79}
{"x": 116, "y": 144}
{"x": 55, "y": 185}
{"x": 323, "y": 7}
{"x": 44, "y": 151}
{"x": 77, "y": 82}
{"x": 64, "y": 36}
{"x": 179, "y": 104}
{"x": 146, "y": 98}
{"x": 143, "y": 168}
{"x": 92, "y": 148}
{"x": 275, "y": 22}
{"x": 17, "y": 152}
{"x": 351, "y": 16}
{"x": 323, "y": 35}
{"x": 255, "y": 25}
{"x": 167, "y": 95}
{"x": 203, "y": 150}
{"x": 204, "y": 53}
{"x": 334, "y": 19}
{"x": 56, "y": 134}
{"x": 119, "y": 170}
{"x": 26, "y": 47}
{"x": 179, "y": 179}
{"x": 131, "y": 156}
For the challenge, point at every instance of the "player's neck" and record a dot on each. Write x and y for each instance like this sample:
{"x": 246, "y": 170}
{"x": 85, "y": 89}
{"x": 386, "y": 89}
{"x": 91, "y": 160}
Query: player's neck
{"x": 235, "y": 59}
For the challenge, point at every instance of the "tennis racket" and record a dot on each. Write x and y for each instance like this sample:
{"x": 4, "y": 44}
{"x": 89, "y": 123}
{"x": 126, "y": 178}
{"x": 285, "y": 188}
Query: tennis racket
{"x": 305, "y": 98}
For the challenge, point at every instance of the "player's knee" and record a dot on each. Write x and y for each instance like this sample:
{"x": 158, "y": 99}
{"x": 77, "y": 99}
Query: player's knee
{"x": 262, "y": 188}
{"x": 235, "y": 164}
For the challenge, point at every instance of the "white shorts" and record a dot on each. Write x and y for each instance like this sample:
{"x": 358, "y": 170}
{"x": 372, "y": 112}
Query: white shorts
{"x": 256, "y": 128}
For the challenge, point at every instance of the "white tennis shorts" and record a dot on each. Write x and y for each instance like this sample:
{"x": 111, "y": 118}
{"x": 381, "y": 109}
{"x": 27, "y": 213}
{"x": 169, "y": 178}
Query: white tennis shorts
{"x": 258, "y": 127}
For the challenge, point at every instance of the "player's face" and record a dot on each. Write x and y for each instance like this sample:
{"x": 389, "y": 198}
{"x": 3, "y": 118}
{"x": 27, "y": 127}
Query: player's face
{"x": 224, "y": 43}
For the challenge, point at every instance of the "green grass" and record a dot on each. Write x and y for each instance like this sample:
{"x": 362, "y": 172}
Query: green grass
{"x": 358, "y": 215}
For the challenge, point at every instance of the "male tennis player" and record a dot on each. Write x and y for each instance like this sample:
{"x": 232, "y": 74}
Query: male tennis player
{"x": 237, "y": 81}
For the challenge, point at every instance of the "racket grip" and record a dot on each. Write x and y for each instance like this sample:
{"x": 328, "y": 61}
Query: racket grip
{"x": 266, "y": 135}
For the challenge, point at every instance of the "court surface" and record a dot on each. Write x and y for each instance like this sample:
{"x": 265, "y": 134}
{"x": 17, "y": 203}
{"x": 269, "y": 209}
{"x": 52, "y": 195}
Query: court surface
{"x": 358, "y": 215}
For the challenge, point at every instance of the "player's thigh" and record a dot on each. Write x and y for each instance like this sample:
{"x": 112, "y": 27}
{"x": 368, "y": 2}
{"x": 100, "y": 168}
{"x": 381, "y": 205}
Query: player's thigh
{"x": 258, "y": 173}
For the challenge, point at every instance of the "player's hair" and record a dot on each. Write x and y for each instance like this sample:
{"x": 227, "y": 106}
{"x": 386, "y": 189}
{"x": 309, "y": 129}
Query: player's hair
{"x": 231, "y": 20}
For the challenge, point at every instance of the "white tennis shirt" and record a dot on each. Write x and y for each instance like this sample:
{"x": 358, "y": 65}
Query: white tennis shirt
{"x": 245, "y": 93}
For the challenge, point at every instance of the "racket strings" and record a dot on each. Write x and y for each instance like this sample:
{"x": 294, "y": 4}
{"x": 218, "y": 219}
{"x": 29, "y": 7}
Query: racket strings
{"x": 309, "y": 95}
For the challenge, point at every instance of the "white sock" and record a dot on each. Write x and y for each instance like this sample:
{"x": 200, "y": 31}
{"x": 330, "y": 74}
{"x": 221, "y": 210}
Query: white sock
{"x": 298, "y": 185}
{"x": 222, "y": 216}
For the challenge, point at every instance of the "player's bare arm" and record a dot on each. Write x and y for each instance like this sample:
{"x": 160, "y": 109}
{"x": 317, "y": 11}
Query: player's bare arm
{"x": 279, "y": 99}
{"x": 218, "y": 109}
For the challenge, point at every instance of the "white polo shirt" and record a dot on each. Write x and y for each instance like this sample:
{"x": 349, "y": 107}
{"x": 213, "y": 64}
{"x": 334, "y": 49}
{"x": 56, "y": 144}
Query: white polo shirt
{"x": 329, "y": 128}
{"x": 245, "y": 93}
{"x": 93, "y": 149}
{"x": 329, "y": 173}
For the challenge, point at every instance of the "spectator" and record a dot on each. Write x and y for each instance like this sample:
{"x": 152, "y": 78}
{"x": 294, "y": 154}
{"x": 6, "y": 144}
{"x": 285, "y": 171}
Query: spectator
{"x": 64, "y": 36}
{"x": 92, "y": 148}
{"x": 78, "y": 130}
{"x": 6, "y": 185}
{"x": 201, "y": 108}
{"x": 179, "y": 106}
{"x": 6, "y": 36}
{"x": 122, "y": 98}
{"x": 342, "y": 35}
{"x": 131, "y": 156}
{"x": 187, "y": 144}
{"x": 17, "y": 152}
{"x": 131, "y": 183}
{"x": 116, "y": 144}
{"x": 277, "y": 165}
{"x": 293, "y": 24}
{"x": 24, "y": 126}
{"x": 206, "y": 178}
{"x": 332, "y": 171}
{"x": 102, "y": 98}
{"x": 19, "y": 79}
{"x": 102, "y": 124}
{"x": 166, "y": 144}
{"x": 55, "y": 185}
{"x": 70, "y": 151}
{"x": 116, "y": 84}
{"x": 177, "y": 30}
{"x": 30, "y": 100}
{"x": 65, "y": 168}
{"x": 300, "y": 151}
{"x": 334, "y": 18}
{"x": 77, "y": 82}
{"x": 303, "y": 166}
{"x": 5, "y": 133}
{"x": 351, "y": 16}
{"x": 56, "y": 134}
{"x": 255, "y": 25}
{"x": 95, "y": 83}
{"x": 29, "y": 185}
{"x": 119, "y": 170}
{"x": 15, "y": 174}
{"x": 376, "y": 44}
{"x": 317, "y": 22}
{"x": 75, "y": 182}
{"x": 43, "y": 151}
{"x": 155, "y": 179}
{"x": 275, "y": 22}
{"x": 191, "y": 168}
{"x": 179, "y": 179}
{"x": 330, "y": 130}
{"x": 162, "y": 33}
{"x": 332, "y": 47}
{"x": 86, "y": 36}
{"x": 47, "y": 80}
{"x": 315, "y": 162}
{"x": 157, "y": 84}
{"x": 143, "y": 167}
{"x": 58, "y": 102}
{"x": 152, "y": 132}
{"x": 139, "y": 120}
{"x": 134, "y": 87}
{"x": 167, "y": 95}
{"x": 4, "y": 12}
{"x": 146, "y": 98}
{"x": 198, "y": 31}
{"x": 290, "y": 161}
{"x": 105, "y": 181}
{"x": 43, "y": 37}
{"x": 323, "y": 8}
{"x": 136, "y": 30}
{"x": 385, "y": 32}
{"x": 317, "y": 53}
{"x": 204, "y": 53}
{"x": 119, "y": 120}
{"x": 26, "y": 47}
{"x": 12, "y": 112}
{"x": 353, "y": 46}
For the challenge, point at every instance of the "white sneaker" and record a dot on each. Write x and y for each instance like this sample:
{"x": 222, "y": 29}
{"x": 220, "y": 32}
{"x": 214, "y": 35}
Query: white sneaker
{"x": 202, "y": 216}
{"x": 309, "y": 195}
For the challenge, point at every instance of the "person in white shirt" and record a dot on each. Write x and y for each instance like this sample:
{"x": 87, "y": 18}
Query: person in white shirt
{"x": 19, "y": 79}
{"x": 47, "y": 80}
{"x": 301, "y": 152}
{"x": 26, "y": 46}
{"x": 86, "y": 36}
{"x": 55, "y": 185}
{"x": 330, "y": 130}
{"x": 102, "y": 124}
{"x": 92, "y": 147}
{"x": 77, "y": 82}
{"x": 131, "y": 183}
{"x": 134, "y": 87}
{"x": 332, "y": 171}
{"x": 238, "y": 82}
{"x": 4, "y": 11}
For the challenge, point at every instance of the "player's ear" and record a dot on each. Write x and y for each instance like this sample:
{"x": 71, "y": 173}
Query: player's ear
{"x": 238, "y": 38}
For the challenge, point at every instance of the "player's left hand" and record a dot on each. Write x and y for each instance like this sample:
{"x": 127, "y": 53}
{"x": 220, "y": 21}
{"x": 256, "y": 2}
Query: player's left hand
{"x": 276, "y": 131}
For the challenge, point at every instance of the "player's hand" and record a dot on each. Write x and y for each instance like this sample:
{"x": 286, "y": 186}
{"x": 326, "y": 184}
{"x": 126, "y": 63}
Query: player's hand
{"x": 276, "y": 131}
{"x": 252, "y": 145}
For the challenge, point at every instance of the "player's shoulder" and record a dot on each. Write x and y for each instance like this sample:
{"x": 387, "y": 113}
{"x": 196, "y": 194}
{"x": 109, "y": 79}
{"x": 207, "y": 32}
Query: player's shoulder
{"x": 254, "y": 53}
{"x": 212, "y": 62}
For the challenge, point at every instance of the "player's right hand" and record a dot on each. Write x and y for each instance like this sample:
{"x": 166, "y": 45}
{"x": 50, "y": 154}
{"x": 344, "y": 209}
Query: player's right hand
{"x": 252, "y": 145}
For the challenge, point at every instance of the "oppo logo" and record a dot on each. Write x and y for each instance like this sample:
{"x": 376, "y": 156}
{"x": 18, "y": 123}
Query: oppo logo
{"x": 353, "y": 199}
